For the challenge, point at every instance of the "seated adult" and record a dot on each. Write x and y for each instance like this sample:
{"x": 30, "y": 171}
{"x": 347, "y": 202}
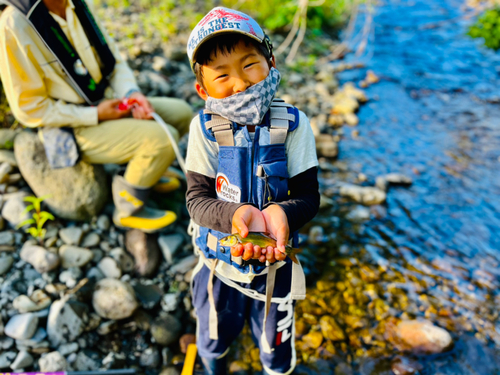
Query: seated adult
{"x": 57, "y": 66}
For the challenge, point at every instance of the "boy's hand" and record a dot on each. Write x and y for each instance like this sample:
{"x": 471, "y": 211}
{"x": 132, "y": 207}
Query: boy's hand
{"x": 108, "y": 110}
{"x": 142, "y": 108}
{"x": 276, "y": 226}
{"x": 248, "y": 219}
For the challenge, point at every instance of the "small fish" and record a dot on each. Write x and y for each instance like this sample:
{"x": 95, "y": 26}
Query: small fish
{"x": 259, "y": 239}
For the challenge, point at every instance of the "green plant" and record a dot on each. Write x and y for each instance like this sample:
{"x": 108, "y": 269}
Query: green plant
{"x": 488, "y": 28}
{"x": 38, "y": 219}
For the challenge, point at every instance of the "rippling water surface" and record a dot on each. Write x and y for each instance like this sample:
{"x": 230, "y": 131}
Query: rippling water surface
{"x": 434, "y": 116}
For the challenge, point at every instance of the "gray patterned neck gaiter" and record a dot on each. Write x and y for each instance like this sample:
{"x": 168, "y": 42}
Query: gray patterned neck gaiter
{"x": 250, "y": 106}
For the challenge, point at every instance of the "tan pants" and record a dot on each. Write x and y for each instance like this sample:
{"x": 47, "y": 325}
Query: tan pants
{"x": 143, "y": 144}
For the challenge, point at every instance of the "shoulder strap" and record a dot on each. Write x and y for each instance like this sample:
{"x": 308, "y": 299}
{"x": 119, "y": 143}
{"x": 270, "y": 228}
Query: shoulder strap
{"x": 280, "y": 121}
{"x": 222, "y": 129}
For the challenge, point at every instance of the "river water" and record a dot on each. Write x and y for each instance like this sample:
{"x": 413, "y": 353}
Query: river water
{"x": 435, "y": 117}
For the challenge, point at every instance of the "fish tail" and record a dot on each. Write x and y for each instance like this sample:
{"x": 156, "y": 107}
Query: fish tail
{"x": 293, "y": 257}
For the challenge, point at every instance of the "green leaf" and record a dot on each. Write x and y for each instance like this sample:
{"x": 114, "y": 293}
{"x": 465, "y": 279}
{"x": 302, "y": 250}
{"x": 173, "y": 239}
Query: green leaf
{"x": 31, "y": 199}
{"x": 27, "y": 209}
{"x": 25, "y": 222}
{"x": 48, "y": 215}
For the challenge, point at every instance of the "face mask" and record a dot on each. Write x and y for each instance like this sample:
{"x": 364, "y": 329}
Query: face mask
{"x": 250, "y": 106}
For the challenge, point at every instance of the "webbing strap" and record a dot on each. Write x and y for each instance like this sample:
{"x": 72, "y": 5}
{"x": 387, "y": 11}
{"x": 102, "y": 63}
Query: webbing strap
{"x": 222, "y": 129}
{"x": 270, "y": 280}
{"x": 298, "y": 287}
{"x": 279, "y": 119}
{"x": 212, "y": 315}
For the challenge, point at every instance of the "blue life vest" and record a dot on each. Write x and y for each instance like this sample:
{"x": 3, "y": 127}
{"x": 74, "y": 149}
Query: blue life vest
{"x": 253, "y": 171}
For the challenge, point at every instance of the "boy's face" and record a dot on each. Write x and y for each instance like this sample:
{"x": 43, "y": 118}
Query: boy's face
{"x": 234, "y": 72}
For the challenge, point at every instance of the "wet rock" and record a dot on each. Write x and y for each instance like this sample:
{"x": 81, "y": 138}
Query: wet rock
{"x": 73, "y": 256}
{"x": 418, "y": 336}
{"x": 330, "y": 329}
{"x": 405, "y": 366}
{"x": 23, "y": 360}
{"x": 13, "y": 209}
{"x": 22, "y": 326}
{"x": 36, "y": 302}
{"x": 365, "y": 195}
{"x": 383, "y": 182}
{"x": 150, "y": 358}
{"x": 71, "y": 235}
{"x": 109, "y": 267}
{"x": 107, "y": 327}
{"x": 113, "y": 299}
{"x": 6, "y": 359}
{"x": 327, "y": 145}
{"x": 53, "y": 362}
{"x": 6, "y": 262}
{"x": 41, "y": 259}
{"x": 184, "y": 265}
{"x": 123, "y": 259}
{"x": 343, "y": 369}
{"x": 66, "y": 321}
{"x": 148, "y": 295}
{"x": 165, "y": 329}
{"x": 75, "y": 193}
{"x": 360, "y": 213}
{"x": 145, "y": 250}
{"x": 91, "y": 240}
{"x": 351, "y": 119}
{"x": 313, "y": 339}
{"x": 170, "y": 245}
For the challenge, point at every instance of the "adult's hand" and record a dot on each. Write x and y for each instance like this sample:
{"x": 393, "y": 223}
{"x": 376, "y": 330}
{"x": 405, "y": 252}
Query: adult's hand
{"x": 108, "y": 110}
{"x": 142, "y": 108}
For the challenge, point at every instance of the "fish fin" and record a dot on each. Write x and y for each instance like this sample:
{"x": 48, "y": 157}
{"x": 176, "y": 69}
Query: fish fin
{"x": 293, "y": 258}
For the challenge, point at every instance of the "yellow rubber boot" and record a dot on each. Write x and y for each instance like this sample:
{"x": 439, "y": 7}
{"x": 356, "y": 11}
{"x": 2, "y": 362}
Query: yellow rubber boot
{"x": 167, "y": 185}
{"x": 130, "y": 211}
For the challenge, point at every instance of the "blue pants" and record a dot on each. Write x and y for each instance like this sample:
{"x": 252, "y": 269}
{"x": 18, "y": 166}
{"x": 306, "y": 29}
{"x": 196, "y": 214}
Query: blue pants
{"x": 234, "y": 308}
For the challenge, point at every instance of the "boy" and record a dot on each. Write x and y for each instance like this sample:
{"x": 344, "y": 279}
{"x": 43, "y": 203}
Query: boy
{"x": 252, "y": 167}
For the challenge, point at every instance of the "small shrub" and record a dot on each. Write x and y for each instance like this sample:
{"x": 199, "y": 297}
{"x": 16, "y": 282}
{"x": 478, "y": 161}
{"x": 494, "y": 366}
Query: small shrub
{"x": 488, "y": 28}
{"x": 38, "y": 219}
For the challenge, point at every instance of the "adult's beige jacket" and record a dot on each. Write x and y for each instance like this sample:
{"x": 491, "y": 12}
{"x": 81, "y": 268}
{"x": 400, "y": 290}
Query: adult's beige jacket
{"x": 37, "y": 88}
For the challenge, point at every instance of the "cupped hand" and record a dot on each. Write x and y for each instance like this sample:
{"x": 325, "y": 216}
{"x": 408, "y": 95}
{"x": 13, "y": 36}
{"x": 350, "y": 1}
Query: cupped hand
{"x": 108, "y": 110}
{"x": 142, "y": 109}
{"x": 277, "y": 227}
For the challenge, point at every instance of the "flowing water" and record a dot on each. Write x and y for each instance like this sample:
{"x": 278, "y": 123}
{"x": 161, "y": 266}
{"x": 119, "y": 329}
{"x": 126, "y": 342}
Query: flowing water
{"x": 435, "y": 117}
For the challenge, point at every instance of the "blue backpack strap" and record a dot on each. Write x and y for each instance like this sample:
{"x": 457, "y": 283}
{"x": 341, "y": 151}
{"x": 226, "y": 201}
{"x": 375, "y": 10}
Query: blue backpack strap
{"x": 217, "y": 128}
{"x": 283, "y": 117}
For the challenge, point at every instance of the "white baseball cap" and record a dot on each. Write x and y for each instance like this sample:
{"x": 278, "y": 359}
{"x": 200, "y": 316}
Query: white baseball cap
{"x": 223, "y": 20}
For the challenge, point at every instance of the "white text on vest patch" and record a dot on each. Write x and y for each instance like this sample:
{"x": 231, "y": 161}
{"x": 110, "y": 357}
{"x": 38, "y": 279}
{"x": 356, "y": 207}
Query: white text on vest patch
{"x": 225, "y": 190}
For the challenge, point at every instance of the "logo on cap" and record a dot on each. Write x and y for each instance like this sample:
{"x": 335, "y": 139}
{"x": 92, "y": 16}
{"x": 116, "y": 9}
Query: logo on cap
{"x": 221, "y": 13}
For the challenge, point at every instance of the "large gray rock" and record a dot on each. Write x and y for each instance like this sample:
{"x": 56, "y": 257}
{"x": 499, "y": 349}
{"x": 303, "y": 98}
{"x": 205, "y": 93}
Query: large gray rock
{"x": 67, "y": 320}
{"x": 76, "y": 193}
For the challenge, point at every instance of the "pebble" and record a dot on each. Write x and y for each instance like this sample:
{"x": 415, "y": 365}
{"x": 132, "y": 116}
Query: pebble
{"x": 170, "y": 302}
{"x": 7, "y": 238}
{"x": 5, "y": 169}
{"x": 360, "y": 213}
{"x": 91, "y": 240}
{"x": 6, "y": 262}
{"x": 109, "y": 268}
{"x": 87, "y": 360}
{"x": 22, "y": 326}
{"x": 37, "y": 301}
{"x": 71, "y": 235}
{"x": 52, "y": 362}
{"x": 145, "y": 250}
{"x": 73, "y": 256}
{"x": 150, "y": 358}
{"x": 41, "y": 259}
{"x": 113, "y": 299}
{"x": 67, "y": 349}
{"x": 148, "y": 295}
{"x": 23, "y": 360}
{"x": 123, "y": 259}
{"x": 103, "y": 222}
{"x": 70, "y": 276}
{"x": 6, "y": 359}
{"x": 170, "y": 245}
{"x": 107, "y": 327}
